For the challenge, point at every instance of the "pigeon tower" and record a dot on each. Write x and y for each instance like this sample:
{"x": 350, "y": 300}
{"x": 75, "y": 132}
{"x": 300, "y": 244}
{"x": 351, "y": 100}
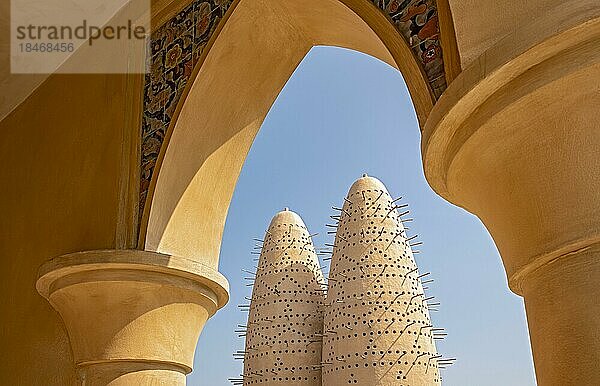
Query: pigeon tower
{"x": 285, "y": 322}
{"x": 377, "y": 329}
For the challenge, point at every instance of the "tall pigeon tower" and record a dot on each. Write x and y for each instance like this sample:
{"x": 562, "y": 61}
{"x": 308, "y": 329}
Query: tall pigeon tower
{"x": 285, "y": 322}
{"x": 377, "y": 329}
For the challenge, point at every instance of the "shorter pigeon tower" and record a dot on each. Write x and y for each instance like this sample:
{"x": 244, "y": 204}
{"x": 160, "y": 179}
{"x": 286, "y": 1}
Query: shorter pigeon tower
{"x": 285, "y": 322}
{"x": 377, "y": 330}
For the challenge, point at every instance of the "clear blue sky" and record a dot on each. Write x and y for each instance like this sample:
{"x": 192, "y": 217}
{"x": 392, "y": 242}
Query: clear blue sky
{"x": 340, "y": 115}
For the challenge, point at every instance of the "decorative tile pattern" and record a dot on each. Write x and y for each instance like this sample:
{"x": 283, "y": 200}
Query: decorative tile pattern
{"x": 417, "y": 21}
{"x": 174, "y": 50}
{"x": 176, "y": 46}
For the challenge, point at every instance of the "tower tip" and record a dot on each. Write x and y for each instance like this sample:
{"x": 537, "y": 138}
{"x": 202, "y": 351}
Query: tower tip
{"x": 286, "y": 216}
{"x": 367, "y": 182}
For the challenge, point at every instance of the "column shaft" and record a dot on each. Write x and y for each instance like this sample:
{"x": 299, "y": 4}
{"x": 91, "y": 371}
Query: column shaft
{"x": 562, "y": 300}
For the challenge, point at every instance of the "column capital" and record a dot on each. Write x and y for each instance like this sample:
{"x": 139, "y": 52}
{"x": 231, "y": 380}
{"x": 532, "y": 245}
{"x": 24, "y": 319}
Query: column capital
{"x": 132, "y": 316}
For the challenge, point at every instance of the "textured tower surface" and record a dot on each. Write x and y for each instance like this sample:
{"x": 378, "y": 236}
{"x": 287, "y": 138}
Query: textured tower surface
{"x": 283, "y": 340}
{"x": 376, "y": 322}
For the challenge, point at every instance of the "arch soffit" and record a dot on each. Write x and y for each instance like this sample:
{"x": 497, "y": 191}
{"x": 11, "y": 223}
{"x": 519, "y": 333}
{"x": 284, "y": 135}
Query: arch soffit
{"x": 180, "y": 49}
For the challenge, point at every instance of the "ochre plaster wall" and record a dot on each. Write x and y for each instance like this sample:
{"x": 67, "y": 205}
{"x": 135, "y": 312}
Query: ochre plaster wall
{"x": 62, "y": 152}
{"x": 285, "y": 317}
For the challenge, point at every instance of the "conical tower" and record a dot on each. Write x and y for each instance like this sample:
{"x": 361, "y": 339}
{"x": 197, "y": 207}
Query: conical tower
{"x": 377, "y": 329}
{"x": 285, "y": 323}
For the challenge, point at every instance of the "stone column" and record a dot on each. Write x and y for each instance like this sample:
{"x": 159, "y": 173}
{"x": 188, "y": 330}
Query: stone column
{"x": 516, "y": 140}
{"x": 133, "y": 317}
